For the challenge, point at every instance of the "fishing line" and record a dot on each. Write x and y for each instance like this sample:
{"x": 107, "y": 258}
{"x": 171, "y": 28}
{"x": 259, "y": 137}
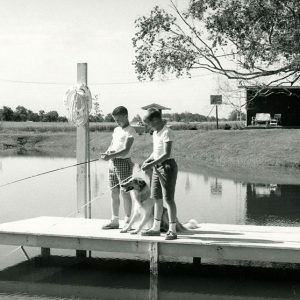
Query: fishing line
{"x": 10, "y": 253}
{"x": 47, "y": 172}
{"x": 89, "y": 202}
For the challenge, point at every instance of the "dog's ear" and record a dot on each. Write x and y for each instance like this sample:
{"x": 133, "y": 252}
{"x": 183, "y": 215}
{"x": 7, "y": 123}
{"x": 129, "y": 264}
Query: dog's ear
{"x": 141, "y": 183}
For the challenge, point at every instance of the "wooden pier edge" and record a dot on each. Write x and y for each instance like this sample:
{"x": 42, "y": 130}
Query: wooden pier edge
{"x": 214, "y": 241}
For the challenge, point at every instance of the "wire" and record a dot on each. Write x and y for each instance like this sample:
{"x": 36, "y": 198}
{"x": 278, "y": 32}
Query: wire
{"x": 210, "y": 111}
{"x": 88, "y": 203}
{"x": 101, "y": 83}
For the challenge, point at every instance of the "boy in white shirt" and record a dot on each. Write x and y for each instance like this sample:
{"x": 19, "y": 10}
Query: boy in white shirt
{"x": 164, "y": 175}
{"x": 120, "y": 165}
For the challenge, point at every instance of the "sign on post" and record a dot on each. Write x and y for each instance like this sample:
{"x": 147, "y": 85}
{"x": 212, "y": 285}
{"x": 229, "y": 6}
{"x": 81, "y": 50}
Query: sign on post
{"x": 216, "y": 100}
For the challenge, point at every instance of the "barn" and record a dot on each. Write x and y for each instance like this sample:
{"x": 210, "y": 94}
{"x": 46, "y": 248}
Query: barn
{"x": 281, "y": 103}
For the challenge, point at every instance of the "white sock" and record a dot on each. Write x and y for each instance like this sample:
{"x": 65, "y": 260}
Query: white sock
{"x": 126, "y": 219}
{"x": 172, "y": 226}
{"x": 156, "y": 225}
{"x": 115, "y": 219}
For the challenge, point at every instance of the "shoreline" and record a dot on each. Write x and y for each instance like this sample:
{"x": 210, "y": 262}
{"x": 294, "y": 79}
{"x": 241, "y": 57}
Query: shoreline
{"x": 225, "y": 154}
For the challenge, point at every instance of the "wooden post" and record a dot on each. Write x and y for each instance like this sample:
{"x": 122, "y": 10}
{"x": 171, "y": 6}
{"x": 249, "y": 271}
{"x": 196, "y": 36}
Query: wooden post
{"x": 82, "y": 156}
{"x": 45, "y": 252}
{"x": 217, "y": 116}
{"x": 153, "y": 287}
{"x": 81, "y": 152}
{"x": 196, "y": 261}
{"x": 154, "y": 259}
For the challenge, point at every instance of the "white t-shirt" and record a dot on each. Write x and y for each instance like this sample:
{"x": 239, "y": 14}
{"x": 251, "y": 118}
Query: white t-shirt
{"x": 159, "y": 139}
{"x": 119, "y": 138}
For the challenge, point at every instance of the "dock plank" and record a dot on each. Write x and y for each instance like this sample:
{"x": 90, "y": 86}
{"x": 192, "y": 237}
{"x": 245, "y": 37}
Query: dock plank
{"x": 221, "y": 241}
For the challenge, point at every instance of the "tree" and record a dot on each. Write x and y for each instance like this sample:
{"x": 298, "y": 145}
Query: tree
{"x": 240, "y": 39}
{"x": 51, "y": 116}
{"x": 20, "y": 114}
{"x": 237, "y": 115}
{"x": 6, "y": 114}
{"x": 42, "y": 115}
{"x": 62, "y": 119}
{"x": 96, "y": 115}
{"x": 96, "y": 103}
{"x": 109, "y": 118}
{"x": 137, "y": 118}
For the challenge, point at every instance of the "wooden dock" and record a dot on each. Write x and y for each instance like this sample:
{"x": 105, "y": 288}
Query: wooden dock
{"x": 215, "y": 241}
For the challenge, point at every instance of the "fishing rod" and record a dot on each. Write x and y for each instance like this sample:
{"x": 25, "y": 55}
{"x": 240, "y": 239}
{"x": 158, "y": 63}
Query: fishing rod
{"x": 47, "y": 172}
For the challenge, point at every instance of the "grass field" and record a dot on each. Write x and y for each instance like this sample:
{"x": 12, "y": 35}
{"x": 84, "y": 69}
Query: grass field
{"x": 50, "y": 127}
{"x": 105, "y": 126}
{"x": 255, "y": 149}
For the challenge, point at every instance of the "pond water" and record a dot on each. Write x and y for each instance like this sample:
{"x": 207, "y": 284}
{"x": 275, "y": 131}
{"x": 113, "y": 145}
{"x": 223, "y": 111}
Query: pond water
{"x": 200, "y": 196}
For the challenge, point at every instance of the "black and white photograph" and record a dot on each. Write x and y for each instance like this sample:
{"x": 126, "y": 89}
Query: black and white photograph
{"x": 149, "y": 149}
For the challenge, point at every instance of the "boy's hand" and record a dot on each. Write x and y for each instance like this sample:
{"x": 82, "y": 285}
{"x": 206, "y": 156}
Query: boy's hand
{"x": 105, "y": 156}
{"x": 146, "y": 166}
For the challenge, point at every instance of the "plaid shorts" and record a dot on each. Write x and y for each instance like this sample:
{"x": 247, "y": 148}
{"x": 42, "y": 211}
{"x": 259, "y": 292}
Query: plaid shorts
{"x": 119, "y": 170}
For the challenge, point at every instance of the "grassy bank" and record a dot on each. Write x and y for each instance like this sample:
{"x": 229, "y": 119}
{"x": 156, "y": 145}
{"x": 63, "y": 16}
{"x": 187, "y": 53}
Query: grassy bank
{"x": 254, "y": 149}
{"x": 7, "y": 127}
{"x": 48, "y": 127}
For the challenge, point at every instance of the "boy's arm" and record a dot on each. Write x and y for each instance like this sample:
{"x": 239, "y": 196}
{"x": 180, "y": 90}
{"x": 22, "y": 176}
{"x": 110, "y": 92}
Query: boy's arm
{"x": 125, "y": 150}
{"x": 162, "y": 158}
{"x": 107, "y": 151}
{"x": 149, "y": 158}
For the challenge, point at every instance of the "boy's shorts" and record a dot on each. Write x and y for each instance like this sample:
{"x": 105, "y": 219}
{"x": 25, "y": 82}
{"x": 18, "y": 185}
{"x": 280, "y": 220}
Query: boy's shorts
{"x": 163, "y": 184}
{"x": 119, "y": 170}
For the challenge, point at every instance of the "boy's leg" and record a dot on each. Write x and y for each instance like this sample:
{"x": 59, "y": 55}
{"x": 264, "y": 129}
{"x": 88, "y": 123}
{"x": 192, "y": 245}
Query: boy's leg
{"x": 127, "y": 205}
{"x": 168, "y": 181}
{"x": 156, "y": 194}
{"x": 115, "y": 200}
{"x": 124, "y": 171}
{"x": 158, "y": 210}
{"x": 172, "y": 213}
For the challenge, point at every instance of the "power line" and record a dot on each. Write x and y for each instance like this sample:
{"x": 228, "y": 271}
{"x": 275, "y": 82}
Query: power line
{"x": 100, "y": 83}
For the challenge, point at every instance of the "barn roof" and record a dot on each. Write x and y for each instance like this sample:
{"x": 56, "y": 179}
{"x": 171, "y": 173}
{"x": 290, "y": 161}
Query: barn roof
{"x": 277, "y": 87}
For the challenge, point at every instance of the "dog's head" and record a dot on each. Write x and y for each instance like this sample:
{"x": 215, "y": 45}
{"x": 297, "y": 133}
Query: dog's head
{"x": 134, "y": 184}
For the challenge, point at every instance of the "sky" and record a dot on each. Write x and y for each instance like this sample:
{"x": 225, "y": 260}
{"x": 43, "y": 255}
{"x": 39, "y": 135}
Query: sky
{"x": 43, "y": 40}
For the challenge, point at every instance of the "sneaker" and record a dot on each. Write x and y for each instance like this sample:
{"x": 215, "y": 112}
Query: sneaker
{"x": 171, "y": 236}
{"x": 111, "y": 225}
{"x": 150, "y": 232}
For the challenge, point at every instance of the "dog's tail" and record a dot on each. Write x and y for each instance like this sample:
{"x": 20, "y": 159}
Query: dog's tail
{"x": 190, "y": 225}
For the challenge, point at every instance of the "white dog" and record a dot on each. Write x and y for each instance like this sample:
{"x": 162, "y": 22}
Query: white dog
{"x": 144, "y": 209}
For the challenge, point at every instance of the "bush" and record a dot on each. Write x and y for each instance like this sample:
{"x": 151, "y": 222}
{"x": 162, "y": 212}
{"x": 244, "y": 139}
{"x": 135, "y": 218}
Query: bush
{"x": 206, "y": 125}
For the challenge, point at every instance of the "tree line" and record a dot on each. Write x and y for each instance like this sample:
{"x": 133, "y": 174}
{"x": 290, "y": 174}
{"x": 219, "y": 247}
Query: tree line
{"x": 188, "y": 117}
{"x": 22, "y": 114}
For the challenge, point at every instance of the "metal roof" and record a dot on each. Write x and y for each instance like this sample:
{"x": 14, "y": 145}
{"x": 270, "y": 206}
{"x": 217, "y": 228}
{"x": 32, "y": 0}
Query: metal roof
{"x": 270, "y": 87}
{"x": 155, "y": 105}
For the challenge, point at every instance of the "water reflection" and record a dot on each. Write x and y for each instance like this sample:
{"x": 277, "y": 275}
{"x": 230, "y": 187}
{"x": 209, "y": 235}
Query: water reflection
{"x": 273, "y": 204}
{"x": 234, "y": 202}
{"x": 187, "y": 183}
{"x": 216, "y": 188}
{"x": 66, "y": 277}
